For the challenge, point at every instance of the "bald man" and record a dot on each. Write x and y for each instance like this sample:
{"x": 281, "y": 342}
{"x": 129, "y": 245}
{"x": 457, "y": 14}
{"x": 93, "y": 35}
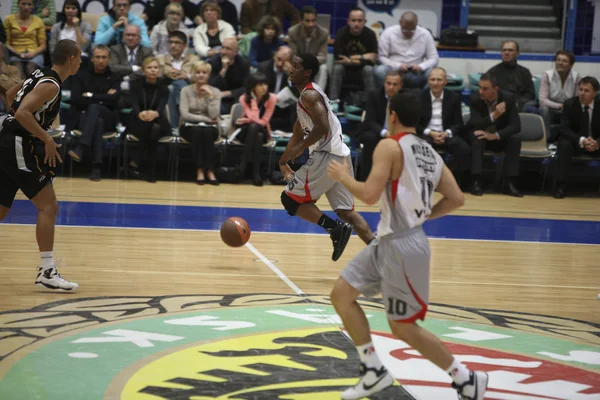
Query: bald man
{"x": 408, "y": 48}
{"x": 229, "y": 74}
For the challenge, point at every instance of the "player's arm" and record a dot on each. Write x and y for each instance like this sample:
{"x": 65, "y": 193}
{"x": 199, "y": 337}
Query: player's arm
{"x": 12, "y": 93}
{"x": 453, "y": 197}
{"x": 314, "y": 103}
{"x": 41, "y": 94}
{"x": 370, "y": 191}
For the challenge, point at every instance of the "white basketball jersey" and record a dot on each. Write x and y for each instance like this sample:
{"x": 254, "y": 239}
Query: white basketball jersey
{"x": 332, "y": 142}
{"x": 406, "y": 202}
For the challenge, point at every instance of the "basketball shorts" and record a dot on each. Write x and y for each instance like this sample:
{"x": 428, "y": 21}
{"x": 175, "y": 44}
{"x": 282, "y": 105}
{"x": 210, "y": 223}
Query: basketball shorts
{"x": 21, "y": 167}
{"x": 397, "y": 266}
{"x": 311, "y": 182}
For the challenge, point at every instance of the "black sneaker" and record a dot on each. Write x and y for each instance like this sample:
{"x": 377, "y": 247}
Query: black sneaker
{"x": 340, "y": 236}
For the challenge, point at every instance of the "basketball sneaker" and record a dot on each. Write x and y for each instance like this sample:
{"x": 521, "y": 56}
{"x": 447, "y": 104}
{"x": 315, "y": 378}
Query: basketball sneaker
{"x": 340, "y": 236}
{"x": 51, "y": 279}
{"x": 474, "y": 388}
{"x": 371, "y": 381}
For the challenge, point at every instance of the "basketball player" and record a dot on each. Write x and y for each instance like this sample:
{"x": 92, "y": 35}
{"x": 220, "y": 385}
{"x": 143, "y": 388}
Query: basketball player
{"x": 34, "y": 106}
{"x": 318, "y": 129}
{"x": 406, "y": 171}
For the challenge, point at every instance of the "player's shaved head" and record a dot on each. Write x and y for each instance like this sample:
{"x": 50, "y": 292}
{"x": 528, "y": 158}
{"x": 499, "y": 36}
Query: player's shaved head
{"x": 64, "y": 50}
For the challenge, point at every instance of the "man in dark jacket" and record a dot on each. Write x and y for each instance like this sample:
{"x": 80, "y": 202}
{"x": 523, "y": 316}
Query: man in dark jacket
{"x": 229, "y": 74}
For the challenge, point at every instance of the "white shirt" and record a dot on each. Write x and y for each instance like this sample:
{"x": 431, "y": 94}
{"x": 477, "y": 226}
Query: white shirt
{"x": 395, "y": 49}
{"x": 177, "y": 64}
{"x": 278, "y": 80}
{"x": 436, "y": 123}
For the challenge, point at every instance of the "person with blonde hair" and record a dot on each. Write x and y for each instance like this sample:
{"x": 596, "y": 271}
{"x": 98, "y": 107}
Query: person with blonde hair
{"x": 148, "y": 117}
{"x": 200, "y": 106}
{"x": 159, "y": 39}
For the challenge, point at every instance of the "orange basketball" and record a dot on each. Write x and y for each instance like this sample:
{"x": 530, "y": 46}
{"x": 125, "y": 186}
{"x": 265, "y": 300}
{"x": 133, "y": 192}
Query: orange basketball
{"x": 235, "y": 232}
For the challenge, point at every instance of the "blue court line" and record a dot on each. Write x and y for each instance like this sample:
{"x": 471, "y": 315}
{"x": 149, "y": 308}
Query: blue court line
{"x": 269, "y": 220}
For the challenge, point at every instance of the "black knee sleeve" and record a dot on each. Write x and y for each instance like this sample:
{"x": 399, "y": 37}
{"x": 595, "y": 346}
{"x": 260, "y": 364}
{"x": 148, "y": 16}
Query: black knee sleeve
{"x": 290, "y": 205}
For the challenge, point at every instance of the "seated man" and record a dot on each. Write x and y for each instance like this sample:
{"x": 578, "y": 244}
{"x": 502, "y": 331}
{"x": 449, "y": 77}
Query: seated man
{"x": 177, "y": 67}
{"x": 307, "y": 37}
{"x": 494, "y": 125}
{"x": 409, "y": 49}
{"x": 229, "y": 74}
{"x": 374, "y": 127}
{"x": 94, "y": 95}
{"x": 276, "y": 71}
{"x": 514, "y": 78}
{"x": 441, "y": 123}
{"x": 579, "y": 131}
{"x": 111, "y": 27}
{"x": 126, "y": 60}
{"x": 355, "y": 54}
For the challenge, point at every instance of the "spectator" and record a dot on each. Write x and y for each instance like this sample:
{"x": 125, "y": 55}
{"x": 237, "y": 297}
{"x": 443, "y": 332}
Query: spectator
{"x": 72, "y": 27}
{"x": 254, "y": 10}
{"x": 177, "y": 68}
{"x": 111, "y": 27}
{"x": 258, "y": 104}
{"x": 229, "y": 13}
{"x": 513, "y": 77}
{"x": 441, "y": 123}
{"x": 126, "y": 60}
{"x": 408, "y": 48}
{"x": 308, "y": 37}
{"x": 43, "y": 9}
{"x": 199, "y": 108}
{"x": 557, "y": 85}
{"x": 229, "y": 74}
{"x": 355, "y": 54}
{"x": 9, "y": 77}
{"x": 159, "y": 38}
{"x": 154, "y": 12}
{"x": 579, "y": 131}
{"x": 149, "y": 121}
{"x": 494, "y": 125}
{"x": 94, "y": 96}
{"x": 25, "y": 38}
{"x": 276, "y": 72}
{"x": 374, "y": 126}
{"x": 209, "y": 35}
{"x": 266, "y": 42}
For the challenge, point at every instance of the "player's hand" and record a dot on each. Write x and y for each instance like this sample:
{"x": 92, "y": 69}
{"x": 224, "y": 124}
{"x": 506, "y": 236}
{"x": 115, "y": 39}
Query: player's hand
{"x": 337, "y": 171}
{"x": 52, "y": 153}
{"x": 287, "y": 172}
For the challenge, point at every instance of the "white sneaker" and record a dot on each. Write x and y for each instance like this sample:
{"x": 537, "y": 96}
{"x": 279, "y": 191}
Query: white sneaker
{"x": 371, "y": 381}
{"x": 474, "y": 388}
{"x": 51, "y": 279}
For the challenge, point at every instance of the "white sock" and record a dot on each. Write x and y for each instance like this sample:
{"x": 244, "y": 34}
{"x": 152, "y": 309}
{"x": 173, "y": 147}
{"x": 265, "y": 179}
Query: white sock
{"x": 368, "y": 356}
{"x": 458, "y": 372}
{"x": 47, "y": 259}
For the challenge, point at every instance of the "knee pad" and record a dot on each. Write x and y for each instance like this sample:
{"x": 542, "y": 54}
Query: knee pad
{"x": 290, "y": 205}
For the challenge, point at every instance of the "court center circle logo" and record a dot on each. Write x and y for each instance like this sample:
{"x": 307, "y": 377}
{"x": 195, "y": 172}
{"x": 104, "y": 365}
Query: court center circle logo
{"x": 272, "y": 346}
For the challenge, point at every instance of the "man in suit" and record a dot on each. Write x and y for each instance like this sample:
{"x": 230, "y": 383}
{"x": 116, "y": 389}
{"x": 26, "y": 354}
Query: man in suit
{"x": 177, "y": 69}
{"x": 229, "y": 74}
{"x": 308, "y": 37}
{"x": 126, "y": 60}
{"x": 276, "y": 72}
{"x": 441, "y": 122}
{"x": 374, "y": 127}
{"x": 579, "y": 131}
{"x": 494, "y": 125}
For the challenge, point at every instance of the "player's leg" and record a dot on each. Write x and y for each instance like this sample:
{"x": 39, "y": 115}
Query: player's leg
{"x": 47, "y": 206}
{"x": 361, "y": 227}
{"x": 8, "y": 190}
{"x": 361, "y": 276}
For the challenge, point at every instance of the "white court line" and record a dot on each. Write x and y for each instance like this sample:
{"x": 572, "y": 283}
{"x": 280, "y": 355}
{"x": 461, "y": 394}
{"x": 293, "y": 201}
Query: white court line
{"x": 309, "y": 234}
{"x": 273, "y": 268}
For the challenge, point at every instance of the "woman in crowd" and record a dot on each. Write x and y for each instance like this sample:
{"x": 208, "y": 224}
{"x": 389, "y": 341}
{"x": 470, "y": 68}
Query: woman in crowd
{"x": 73, "y": 28}
{"x": 25, "y": 38}
{"x": 149, "y": 121}
{"x": 209, "y": 36}
{"x": 159, "y": 39}
{"x": 267, "y": 41}
{"x": 199, "y": 107}
{"x": 258, "y": 105}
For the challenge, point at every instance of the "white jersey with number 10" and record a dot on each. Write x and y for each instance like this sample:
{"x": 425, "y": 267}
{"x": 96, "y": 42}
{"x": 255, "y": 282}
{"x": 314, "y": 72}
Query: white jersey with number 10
{"x": 332, "y": 142}
{"x": 406, "y": 202}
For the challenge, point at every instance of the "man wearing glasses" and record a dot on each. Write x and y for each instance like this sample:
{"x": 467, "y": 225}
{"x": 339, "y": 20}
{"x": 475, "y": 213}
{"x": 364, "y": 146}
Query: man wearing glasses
{"x": 513, "y": 77}
{"x": 408, "y": 48}
{"x": 111, "y": 26}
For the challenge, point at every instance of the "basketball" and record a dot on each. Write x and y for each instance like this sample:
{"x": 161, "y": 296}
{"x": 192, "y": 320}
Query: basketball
{"x": 235, "y": 232}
